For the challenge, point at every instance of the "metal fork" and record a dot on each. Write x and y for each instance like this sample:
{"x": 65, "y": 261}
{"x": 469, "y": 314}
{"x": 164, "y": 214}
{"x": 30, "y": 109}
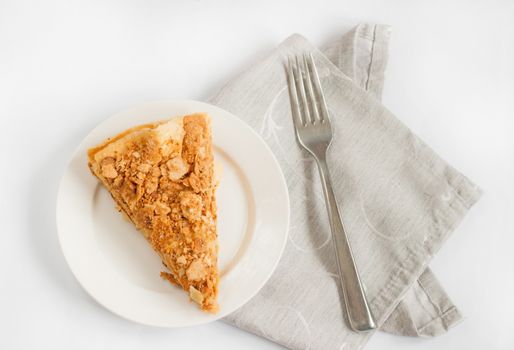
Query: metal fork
{"x": 313, "y": 130}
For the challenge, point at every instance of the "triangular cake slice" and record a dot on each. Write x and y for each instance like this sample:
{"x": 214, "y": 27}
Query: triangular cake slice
{"x": 162, "y": 177}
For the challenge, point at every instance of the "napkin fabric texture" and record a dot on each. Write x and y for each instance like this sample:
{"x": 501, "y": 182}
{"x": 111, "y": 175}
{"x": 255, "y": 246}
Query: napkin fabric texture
{"x": 398, "y": 199}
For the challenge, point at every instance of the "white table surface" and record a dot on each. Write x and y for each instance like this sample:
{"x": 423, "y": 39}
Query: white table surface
{"x": 67, "y": 65}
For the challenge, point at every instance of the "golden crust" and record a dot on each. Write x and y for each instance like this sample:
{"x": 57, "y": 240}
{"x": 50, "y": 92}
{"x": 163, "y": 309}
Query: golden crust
{"x": 167, "y": 189}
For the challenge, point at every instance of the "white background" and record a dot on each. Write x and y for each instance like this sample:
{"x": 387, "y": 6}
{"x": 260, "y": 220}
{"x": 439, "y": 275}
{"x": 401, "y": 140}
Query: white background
{"x": 67, "y": 65}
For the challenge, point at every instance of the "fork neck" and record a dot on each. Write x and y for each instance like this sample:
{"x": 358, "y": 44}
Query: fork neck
{"x": 319, "y": 153}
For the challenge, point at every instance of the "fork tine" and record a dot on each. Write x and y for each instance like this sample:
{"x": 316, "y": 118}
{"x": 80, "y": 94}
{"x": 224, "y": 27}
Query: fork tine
{"x": 303, "y": 96}
{"x": 310, "y": 92}
{"x": 295, "y": 105}
{"x": 317, "y": 86}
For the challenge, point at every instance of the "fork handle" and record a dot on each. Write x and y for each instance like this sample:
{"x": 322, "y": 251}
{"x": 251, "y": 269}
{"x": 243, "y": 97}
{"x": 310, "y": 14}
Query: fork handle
{"x": 359, "y": 313}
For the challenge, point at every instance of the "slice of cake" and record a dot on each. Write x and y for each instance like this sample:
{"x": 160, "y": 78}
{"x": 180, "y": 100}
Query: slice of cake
{"x": 161, "y": 176}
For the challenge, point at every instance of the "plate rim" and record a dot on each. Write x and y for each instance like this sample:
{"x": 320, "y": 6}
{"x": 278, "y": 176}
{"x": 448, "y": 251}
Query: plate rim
{"x": 243, "y": 124}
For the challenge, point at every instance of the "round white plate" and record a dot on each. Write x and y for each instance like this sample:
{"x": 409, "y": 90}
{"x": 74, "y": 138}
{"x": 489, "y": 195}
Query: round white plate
{"x": 119, "y": 269}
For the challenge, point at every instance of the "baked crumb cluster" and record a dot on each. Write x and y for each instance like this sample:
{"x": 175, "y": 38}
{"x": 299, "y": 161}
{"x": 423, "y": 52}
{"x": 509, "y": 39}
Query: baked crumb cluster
{"x": 166, "y": 188}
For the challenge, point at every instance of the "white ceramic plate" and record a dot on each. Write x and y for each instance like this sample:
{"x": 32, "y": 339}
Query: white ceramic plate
{"x": 118, "y": 268}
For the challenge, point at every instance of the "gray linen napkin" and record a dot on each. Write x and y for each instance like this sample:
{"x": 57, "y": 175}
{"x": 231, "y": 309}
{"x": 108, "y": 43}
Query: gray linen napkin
{"x": 398, "y": 199}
